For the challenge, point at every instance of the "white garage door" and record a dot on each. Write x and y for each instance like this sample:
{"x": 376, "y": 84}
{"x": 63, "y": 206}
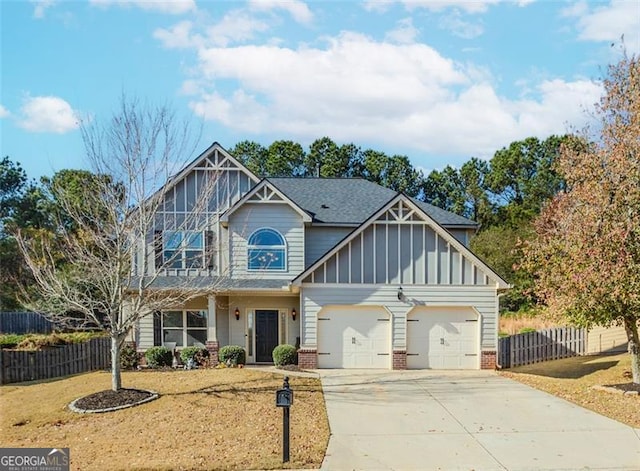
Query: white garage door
{"x": 354, "y": 337}
{"x": 443, "y": 338}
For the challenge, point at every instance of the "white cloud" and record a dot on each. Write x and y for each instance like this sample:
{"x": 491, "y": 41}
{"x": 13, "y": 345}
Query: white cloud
{"x": 459, "y": 27}
{"x": 48, "y": 114}
{"x": 468, "y": 6}
{"x": 173, "y": 7}
{"x": 608, "y": 22}
{"x": 379, "y": 6}
{"x": 4, "y": 113}
{"x": 404, "y": 33}
{"x": 296, "y": 8}
{"x": 41, "y": 6}
{"x": 235, "y": 27}
{"x": 179, "y": 36}
{"x": 356, "y": 89}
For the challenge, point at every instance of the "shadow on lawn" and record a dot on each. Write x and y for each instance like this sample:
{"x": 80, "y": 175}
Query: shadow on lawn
{"x": 571, "y": 368}
{"x": 247, "y": 387}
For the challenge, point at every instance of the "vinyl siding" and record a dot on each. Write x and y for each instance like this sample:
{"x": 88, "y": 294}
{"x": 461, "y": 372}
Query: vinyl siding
{"x": 483, "y": 299}
{"x": 462, "y": 235}
{"x": 280, "y": 217}
{"x": 319, "y": 240}
{"x": 145, "y": 332}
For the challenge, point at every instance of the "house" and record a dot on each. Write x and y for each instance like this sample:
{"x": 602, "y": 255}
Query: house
{"x": 354, "y": 274}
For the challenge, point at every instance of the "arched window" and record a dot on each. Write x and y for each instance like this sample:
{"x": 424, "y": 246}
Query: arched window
{"x": 266, "y": 250}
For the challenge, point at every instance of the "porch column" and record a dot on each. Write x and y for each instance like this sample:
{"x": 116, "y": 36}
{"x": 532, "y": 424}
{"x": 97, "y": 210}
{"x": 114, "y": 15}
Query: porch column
{"x": 212, "y": 330}
{"x": 212, "y": 327}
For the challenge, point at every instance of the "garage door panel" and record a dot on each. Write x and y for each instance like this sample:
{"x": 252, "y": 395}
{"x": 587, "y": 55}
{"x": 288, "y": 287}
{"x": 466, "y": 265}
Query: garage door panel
{"x": 442, "y": 339}
{"x": 353, "y": 337}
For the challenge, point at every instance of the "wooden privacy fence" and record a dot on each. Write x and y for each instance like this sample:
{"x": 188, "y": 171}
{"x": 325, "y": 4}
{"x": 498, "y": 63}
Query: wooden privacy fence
{"x": 542, "y": 345}
{"x": 24, "y": 323}
{"x": 24, "y": 365}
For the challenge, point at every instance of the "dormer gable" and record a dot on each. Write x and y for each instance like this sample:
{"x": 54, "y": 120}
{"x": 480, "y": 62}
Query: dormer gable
{"x": 265, "y": 193}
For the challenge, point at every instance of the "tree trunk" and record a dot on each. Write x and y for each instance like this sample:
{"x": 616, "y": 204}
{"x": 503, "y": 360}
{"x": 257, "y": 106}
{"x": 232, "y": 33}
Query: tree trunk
{"x": 631, "y": 326}
{"x": 116, "y": 378}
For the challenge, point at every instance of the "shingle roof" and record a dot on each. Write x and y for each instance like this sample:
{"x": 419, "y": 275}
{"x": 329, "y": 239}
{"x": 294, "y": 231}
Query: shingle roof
{"x": 350, "y": 200}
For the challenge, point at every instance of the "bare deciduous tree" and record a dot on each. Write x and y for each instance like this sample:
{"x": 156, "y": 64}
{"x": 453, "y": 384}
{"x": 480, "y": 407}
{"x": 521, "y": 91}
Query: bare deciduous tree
{"x": 101, "y": 267}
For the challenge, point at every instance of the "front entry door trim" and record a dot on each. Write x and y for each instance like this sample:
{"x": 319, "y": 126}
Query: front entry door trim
{"x": 267, "y": 334}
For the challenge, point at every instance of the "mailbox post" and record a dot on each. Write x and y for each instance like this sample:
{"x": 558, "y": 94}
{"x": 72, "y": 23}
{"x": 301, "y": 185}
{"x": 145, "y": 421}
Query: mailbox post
{"x": 284, "y": 399}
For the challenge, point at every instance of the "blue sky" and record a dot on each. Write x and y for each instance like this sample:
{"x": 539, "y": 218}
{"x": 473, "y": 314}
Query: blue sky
{"x": 439, "y": 81}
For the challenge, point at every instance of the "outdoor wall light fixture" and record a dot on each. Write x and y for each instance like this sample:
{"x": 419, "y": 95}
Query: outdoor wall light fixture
{"x": 400, "y": 294}
{"x": 294, "y": 313}
{"x": 237, "y": 313}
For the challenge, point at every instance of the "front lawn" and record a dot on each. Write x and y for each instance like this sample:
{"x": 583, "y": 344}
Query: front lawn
{"x": 573, "y": 378}
{"x": 204, "y": 419}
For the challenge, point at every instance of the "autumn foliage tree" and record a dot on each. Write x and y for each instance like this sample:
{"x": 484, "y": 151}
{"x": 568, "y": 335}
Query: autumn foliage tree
{"x": 586, "y": 256}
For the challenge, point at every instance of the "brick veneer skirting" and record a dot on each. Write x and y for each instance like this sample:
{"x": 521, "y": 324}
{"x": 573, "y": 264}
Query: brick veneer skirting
{"x": 488, "y": 360}
{"x": 399, "y": 359}
{"x": 213, "y": 348}
{"x": 308, "y": 358}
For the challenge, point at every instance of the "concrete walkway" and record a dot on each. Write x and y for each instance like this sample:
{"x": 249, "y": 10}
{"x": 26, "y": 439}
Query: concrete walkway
{"x": 429, "y": 420}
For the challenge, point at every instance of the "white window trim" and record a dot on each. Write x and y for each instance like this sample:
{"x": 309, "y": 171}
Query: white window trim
{"x": 181, "y": 250}
{"x": 184, "y": 327}
{"x": 284, "y": 247}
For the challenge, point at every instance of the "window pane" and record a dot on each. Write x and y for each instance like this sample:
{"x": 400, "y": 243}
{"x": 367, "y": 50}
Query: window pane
{"x": 266, "y": 259}
{"x": 196, "y": 319}
{"x": 196, "y": 336}
{"x": 173, "y": 335}
{"x": 250, "y": 332}
{"x": 193, "y": 240}
{"x": 172, "y": 259}
{"x": 172, "y": 240}
{"x": 193, "y": 258}
{"x": 172, "y": 319}
{"x": 266, "y": 237}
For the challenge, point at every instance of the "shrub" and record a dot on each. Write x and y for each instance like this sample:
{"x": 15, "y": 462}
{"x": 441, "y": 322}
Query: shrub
{"x": 233, "y": 354}
{"x": 199, "y": 354}
{"x": 128, "y": 357}
{"x": 11, "y": 340}
{"x": 285, "y": 355}
{"x": 158, "y": 356}
{"x": 40, "y": 341}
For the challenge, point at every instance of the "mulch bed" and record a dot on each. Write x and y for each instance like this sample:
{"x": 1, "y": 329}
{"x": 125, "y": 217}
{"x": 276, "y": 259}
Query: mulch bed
{"x": 109, "y": 399}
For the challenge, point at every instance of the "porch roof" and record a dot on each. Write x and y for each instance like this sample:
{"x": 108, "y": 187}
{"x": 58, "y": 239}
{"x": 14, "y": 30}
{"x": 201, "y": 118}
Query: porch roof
{"x": 216, "y": 283}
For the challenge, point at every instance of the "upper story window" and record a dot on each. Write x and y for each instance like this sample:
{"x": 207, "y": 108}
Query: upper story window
{"x": 183, "y": 249}
{"x": 266, "y": 250}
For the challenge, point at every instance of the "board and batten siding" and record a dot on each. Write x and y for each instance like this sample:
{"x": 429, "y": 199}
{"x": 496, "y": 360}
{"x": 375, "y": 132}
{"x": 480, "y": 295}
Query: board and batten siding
{"x": 279, "y": 216}
{"x": 194, "y": 202}
{"x": 401, "y": 253}
{"x": 482, "y": 299}
{"x": 320, "y": 239}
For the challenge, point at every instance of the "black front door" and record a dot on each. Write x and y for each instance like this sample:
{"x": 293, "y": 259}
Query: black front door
{"x": 266, "y": 335}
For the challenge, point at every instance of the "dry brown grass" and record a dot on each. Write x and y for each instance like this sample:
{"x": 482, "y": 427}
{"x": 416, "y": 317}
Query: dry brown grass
{"x": 513, "y": 323}
{"x": 204, "y": 419}
{"x": 572, "y": 379}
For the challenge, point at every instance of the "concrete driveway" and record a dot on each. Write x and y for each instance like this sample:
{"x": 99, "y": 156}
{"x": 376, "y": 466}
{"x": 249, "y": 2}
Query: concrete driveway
{"x": 430, "y": 420}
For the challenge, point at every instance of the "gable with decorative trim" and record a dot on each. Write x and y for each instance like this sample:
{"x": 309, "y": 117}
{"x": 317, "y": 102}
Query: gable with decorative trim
{"x": 401, "y": 244}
